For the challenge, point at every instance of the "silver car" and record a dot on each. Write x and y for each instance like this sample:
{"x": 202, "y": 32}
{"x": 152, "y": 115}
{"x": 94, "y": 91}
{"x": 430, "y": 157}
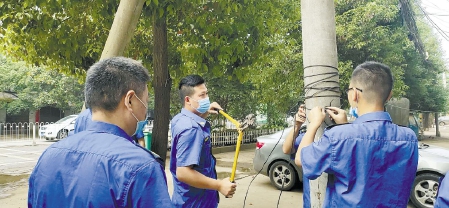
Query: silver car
{"x": 284, "y": 174}
{"x": 271, "y": 161}
{"x": 443, "y": 120}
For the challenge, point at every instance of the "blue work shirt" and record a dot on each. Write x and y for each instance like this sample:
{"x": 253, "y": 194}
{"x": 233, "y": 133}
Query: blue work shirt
{"x": 362, "y": 159}
{"x": 191, "y": 146}
{"x": 305, "y": 180}
{"x": 84, "y": 119}
{"x": 98, "y": 167}
{"x": 442, "y": 200}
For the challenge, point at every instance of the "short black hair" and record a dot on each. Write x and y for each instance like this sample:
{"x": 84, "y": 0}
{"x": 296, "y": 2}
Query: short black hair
{"x": 110, "y": 79}
{"x": 187, "y": 84}
{"x": 375, "y": 79}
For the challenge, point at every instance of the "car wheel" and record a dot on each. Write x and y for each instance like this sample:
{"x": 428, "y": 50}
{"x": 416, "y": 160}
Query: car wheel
{"x": 282, "y": 175}
{"x": 424, "y": 190}
{"x": 442, "y": 123}
{"x": 62, "y": 134}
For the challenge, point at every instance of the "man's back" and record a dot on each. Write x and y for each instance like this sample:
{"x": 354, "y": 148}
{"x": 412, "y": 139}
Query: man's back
{"x": 371, "y": 163}
{"x": 99, "y": 167}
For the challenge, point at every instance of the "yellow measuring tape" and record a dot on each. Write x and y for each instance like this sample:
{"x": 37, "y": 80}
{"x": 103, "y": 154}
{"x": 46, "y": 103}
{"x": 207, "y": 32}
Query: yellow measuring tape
{"x": 239, "y": 142}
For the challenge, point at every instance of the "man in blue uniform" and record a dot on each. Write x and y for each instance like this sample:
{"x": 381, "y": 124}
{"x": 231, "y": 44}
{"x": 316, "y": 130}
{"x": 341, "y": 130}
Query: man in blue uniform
{"x": 192, "y": 163}
{"x": 290, "y": 147}
{"x": 442, "y": 200}
{"x": 362, "y": 157}
{"x": 102, "y": 166}
{"x": 84, "y": 119}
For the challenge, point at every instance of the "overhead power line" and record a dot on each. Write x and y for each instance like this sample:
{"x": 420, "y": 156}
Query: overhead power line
{"x": 439, "y": 30}
{"x": 410, "y": 23}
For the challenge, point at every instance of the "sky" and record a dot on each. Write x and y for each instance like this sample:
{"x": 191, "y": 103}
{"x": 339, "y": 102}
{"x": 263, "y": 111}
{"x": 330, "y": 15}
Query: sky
{"x": 438, "y": 12}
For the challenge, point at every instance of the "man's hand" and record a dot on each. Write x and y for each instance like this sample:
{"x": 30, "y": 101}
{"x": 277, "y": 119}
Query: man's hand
{"x": 227, "y": 188}
{"x": 337, "y": 114}
{"x": 213, "y": 107}
{"x": 300, "y": 116}
{"x": 316, "y": 116}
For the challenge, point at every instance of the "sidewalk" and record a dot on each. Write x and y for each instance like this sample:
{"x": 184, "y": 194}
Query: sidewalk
{"x": 22, "y": 143}
{"x": 442, "y": 141}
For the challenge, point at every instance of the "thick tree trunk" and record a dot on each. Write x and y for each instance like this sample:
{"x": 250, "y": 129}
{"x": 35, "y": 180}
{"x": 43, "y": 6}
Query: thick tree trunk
{"x": 162, "y": 85}
{"x": 320, "y": 70}
{"x": 426, "y": 121}
{"x": 122, "y": 29}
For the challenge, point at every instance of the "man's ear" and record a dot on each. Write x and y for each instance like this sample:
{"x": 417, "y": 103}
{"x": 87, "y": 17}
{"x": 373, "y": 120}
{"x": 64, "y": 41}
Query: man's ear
{"x": 354, "y": 96}
{"x": 128, "y": 97}
{"x": 186, "y": 100}
{"x": 389, "y": 96}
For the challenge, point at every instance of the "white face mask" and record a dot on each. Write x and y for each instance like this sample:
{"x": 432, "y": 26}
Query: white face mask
{"x": 140, "y": 124}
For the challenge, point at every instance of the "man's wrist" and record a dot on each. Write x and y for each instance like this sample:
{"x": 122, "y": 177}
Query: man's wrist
{"x": 217, "y": 185}
{"x": 314, "y": 126}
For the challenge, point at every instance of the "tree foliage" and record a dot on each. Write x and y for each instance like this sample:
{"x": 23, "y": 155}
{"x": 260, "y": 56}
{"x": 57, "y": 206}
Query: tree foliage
{"x": 248, "y": 51}
{"x": 36, "y": 87}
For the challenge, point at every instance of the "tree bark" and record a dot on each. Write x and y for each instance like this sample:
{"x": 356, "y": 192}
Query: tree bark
{"x": 122, "y": 30}
{"x": 162, "y": 86}
{"x": 426, "y": 121}
{"x": 437, "y": 126}
{"x": 320, "y": 64}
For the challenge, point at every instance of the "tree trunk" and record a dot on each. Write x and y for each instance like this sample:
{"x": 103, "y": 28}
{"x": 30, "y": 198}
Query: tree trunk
{"x": 426, "y": 121}
{"x": 437, "y": 126}
{"x": 320, "y": 63}
{"x": 162, "y": 85}
{"x": 122, "y": 29}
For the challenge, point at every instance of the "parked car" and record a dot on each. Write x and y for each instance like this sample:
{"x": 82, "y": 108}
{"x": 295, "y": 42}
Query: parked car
{"x": 274, "y": 163}
{"x": 284, "y": 174}
{"x": 443, "y": 120}
{"x": 59, "y": 129}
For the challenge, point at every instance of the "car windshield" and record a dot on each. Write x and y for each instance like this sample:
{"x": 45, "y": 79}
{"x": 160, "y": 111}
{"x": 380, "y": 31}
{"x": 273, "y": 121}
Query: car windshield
{"x": 65, "y": 119}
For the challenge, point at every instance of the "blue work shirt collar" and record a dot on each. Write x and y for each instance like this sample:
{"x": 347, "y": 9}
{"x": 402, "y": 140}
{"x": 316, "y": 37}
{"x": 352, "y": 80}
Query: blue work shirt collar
{"x": 103, "y": 127}
{"x": 374, "y": 116}
{"x": 196, "y": 118}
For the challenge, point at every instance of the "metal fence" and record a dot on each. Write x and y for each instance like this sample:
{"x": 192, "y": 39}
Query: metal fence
{"x": 227, "y": 138}
{"x": 29, "y": 131}
{"x": 20, "y": 131}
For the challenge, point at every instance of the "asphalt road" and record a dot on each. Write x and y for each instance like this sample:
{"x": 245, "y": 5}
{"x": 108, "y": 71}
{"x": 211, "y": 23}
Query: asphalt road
{"x": 17, "y": 160}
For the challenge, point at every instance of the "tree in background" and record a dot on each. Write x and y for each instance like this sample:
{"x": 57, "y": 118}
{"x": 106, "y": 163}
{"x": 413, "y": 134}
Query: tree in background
{"x": 252, "y": 48}
{"x": 36, "y": 87}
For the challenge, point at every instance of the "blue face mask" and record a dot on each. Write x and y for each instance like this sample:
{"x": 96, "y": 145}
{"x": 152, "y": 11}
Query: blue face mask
{"x": 353, "y": 112}
{"x": 204, "y": 105}
{"x": 140, "y": 124}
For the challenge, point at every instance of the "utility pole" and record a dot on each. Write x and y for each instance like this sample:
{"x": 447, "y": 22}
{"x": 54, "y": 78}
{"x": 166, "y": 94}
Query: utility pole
{"x": 122, "y": 30}
{"x": 320, "y": 70}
